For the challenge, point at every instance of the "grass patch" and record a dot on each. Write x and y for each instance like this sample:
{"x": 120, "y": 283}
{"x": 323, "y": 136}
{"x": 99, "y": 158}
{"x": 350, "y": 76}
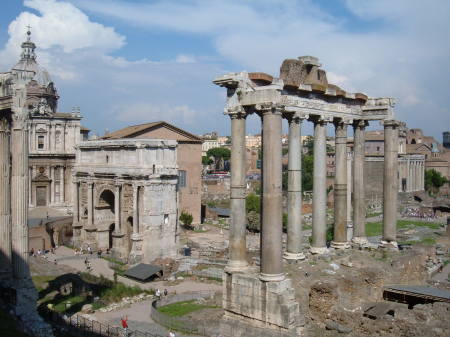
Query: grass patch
{"x": 182, "y": 308}
{"x": 429, "y": 241}
{"x": 69, "y": 303}
{"x": 376, "y": 228}
{"x": 41, "y": 282}
{"x": 371, "y": 215}
{"x": 113, "y": 260}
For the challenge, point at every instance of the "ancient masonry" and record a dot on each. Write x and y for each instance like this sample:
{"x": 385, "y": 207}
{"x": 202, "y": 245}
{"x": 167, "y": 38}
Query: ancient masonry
{"x": 125, "y": 198}
{"x": 14, "y": 113}
{"x": 262, "y": 303}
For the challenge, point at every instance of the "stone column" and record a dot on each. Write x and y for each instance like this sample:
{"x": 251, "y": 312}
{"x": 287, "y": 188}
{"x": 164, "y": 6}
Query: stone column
{"x": 237, "y": 247}
{"x": 61, "y": 185}
{"x": 135, "y": 209}
{"x": 319, "y": 216}
{"x": 340, "y": 187}
{"x": 118, "y": 225}
{"x": 76, "y": 204}
{"x": 271, "y": 229}
{"x": 5, "y": 199}
{"x": 359, "y": 202}
{"x": 90, "y": 191}
{"x": 422, "y": 177}
{"x": 408, "y": 177}
{"x": 52, "y": 185}
{"x": 19, "y": 195}
{"x": 294, "y": 226}
{"x": 390, "y": 183}
{"x": 30, "y": 175}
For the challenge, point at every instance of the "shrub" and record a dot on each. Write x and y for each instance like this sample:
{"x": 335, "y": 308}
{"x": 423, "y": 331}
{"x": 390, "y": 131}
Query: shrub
{"x": 186, "y": 218}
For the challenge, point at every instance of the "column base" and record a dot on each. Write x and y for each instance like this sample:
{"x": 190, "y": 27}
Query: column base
{"x": 339, "y": 245}
{"x": 271, "y": 277}
{"x": 318, "y": 250}
{"x": 391, "y": 245}
{"x": 360, "y": 240}
{"x": 234, "y": 266}
{"x": 294, "y": 256}
{"x": 254, "y": 308}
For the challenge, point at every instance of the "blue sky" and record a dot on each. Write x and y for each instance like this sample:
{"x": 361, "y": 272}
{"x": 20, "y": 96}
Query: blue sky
{"x": 127, "y": 62}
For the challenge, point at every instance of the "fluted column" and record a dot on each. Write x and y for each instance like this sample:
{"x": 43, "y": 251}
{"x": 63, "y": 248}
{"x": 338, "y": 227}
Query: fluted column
{"x": 408, "y": 177}
{"x": 76, "y": 203}
{"x": 319, "y": 216}
{"x": 61, "y": 184}
{"x": 135, "y": 209}
{"x": 340, "y": 187}
{"x": 5, "y": 198}
{"x": 390, "y": 183}
{"x": 30, "y": 175}
{"x": 90, "y": 191}
{"x": 118, "y": 225}
{"x": 19, "y": 195}
{"x": 271, "y": 229}
{"x": 294, "y": 226}
{"x": 237, "y": 248}
{"x": 52, "y": 185}
{"x": 359, "y": 202}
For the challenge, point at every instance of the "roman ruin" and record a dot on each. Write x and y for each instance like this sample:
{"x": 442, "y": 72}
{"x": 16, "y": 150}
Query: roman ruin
{"x": 14, "y": 127}
{"x": 125, "y": 198}
{"x": 261, "y": 302}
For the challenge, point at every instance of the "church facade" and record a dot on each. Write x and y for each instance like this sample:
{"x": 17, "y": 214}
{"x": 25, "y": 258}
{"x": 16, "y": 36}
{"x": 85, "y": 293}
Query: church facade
{"x": 52, "y": 136}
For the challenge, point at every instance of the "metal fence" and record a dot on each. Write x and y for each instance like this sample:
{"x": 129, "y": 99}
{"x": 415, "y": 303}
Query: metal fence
{"x": 80, "y": 326}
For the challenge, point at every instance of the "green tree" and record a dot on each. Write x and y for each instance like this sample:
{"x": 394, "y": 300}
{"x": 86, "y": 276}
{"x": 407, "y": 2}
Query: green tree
{"x": 307, "y": 172}
{"x": 434, "y": 180}
{"x": 206, "y": 160}
{"x": 219, "y": 152}
{"x": 253, "y": 203}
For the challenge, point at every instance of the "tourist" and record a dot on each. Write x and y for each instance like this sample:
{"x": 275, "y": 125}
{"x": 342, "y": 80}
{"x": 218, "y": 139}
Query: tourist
{"x": 32, "y": 252}
{"x": 158, "y": 294}
{"x": 125, "y": 325}
{"x": 165, "y": 292}
{"x": 89, "y": 249}
{"x": 171, "y": 334}
{"x": 99, "y": 253}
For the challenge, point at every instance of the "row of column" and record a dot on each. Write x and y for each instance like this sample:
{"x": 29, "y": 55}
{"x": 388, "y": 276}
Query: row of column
{"x": 415, "y": 175}
{"x": 117, "y": 206}
{"x": 271, "y": 226}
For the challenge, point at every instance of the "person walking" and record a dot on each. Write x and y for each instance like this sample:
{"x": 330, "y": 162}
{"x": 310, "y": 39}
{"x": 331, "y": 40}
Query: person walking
{"x": 124, "y": 321}
{"x": 171, "y": 334}
{"x": 158, "y": 294}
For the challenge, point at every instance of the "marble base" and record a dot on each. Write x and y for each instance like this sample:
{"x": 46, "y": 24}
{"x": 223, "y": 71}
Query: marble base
{"x": 294, "y": 256}
{"x": 360, "y": 240}
{"x": 340, "y": 245}
{"x": 236, "y": 266}
{"x": 391, "y": 245}
{"x": 318, "y": 250}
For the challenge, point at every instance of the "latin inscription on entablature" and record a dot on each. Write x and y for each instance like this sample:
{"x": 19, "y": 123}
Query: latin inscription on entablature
{"x": 315, "y": 106}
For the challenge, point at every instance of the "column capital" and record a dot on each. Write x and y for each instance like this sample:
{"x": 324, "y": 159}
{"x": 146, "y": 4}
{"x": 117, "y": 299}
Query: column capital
{"x": 360, "y": 123}
{"x": 272, "y": 108}
{"x": 318, "y": 119}
{"x": 342, "y": 122}
{"x": 90, "y": 184}
{"x": 292, "y": 117}
{"x": 236, "y": 112}
{"x": 391, "y": 123}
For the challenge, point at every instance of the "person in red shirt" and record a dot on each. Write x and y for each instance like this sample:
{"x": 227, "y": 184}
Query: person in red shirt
{"x": 125, "y": 325}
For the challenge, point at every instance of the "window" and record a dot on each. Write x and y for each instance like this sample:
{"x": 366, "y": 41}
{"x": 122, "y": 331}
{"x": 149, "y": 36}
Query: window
{"x": 166, "y": 219}
{"x": 41, "y": 142}
{"x": 378, "y": 149}
{"x": 182, "y": 178}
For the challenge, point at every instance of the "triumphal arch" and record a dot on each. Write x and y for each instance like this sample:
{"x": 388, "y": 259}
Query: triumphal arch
{"x": 260, "y": 301}
{"x": 125, "y": 198}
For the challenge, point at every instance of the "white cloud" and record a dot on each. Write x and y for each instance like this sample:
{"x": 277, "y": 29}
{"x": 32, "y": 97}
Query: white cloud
{"x": 183, "y": 58}
{"x": 59, "y": 27}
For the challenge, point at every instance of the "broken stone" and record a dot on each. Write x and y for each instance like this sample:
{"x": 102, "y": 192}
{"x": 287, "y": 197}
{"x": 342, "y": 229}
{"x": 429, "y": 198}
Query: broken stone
{"x": 332, "y": 325}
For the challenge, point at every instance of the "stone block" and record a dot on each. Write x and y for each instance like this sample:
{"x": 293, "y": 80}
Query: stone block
{"x": 255, "y": 303}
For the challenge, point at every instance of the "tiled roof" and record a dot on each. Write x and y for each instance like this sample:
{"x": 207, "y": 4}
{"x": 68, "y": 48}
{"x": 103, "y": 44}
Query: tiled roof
{"x": 129, "y": 131}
